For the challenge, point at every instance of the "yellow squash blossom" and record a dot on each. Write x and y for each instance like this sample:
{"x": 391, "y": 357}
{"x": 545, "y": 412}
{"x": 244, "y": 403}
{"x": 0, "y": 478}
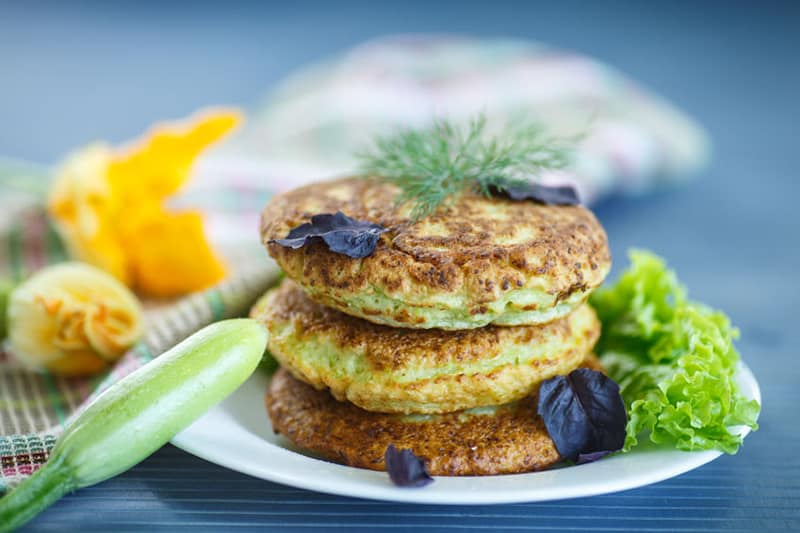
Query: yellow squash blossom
{"x": 108, "y": 206}
{"x": 72, "y": 319}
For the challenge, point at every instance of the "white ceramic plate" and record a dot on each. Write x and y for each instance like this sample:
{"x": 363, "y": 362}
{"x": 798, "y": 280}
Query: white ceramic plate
{"x": 237, "y": 434}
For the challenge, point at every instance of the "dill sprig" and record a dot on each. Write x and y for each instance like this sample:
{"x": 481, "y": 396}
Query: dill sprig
{"x": 433, "y": 165}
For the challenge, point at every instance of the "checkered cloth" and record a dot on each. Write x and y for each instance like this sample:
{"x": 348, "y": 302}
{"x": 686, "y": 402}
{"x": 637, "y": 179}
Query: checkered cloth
{"x": 309, "y": 124}
{"x": 35, "y": 407}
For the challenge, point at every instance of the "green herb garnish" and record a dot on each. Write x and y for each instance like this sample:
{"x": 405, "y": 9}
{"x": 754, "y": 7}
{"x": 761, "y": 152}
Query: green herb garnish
{"x": 434, "y": 165}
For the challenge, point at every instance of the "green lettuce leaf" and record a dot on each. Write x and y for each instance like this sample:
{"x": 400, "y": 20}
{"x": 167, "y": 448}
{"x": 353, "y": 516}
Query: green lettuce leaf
{"x": 673, "y": 358}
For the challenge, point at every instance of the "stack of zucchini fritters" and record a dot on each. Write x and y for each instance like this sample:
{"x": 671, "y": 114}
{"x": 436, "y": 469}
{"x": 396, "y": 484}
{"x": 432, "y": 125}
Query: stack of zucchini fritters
{"x": 437, "y": 341}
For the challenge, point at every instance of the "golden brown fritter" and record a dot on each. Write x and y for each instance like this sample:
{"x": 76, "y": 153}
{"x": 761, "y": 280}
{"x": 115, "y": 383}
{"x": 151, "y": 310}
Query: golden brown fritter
{"x": 505, "y": 439}
{"x": 397, "y": 370}
{"x": 478, "y": 261}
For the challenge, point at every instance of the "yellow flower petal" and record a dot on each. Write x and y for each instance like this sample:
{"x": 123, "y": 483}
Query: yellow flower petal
{"x": 158, "y": 165}
{"x": 173, "y": 256}
{"x": 109, "y": 208}
{"x": 72, "y": 319}
{"x": 81, "y": 206}
{"x": 77, "y": 364}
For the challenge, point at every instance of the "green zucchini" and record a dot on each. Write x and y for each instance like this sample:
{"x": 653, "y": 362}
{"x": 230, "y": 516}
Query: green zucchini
{"x": 140, "y": 413}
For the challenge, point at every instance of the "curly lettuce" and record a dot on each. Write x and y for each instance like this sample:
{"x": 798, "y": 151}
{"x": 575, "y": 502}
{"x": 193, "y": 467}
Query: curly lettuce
{"x": 673, "y": 358}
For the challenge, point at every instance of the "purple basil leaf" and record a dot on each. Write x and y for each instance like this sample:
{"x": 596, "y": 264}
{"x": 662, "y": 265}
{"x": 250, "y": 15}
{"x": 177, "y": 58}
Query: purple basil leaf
{"x": 544, "y": 194}
{"x": 406, "y": 469}
{"x": 584, "y": 458}
{"x": 342, "y": 234}
{"x": 583, "y": 413}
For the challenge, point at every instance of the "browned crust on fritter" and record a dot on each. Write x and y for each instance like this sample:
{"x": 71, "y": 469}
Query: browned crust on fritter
{"x": 459, "y": 249}
{"x": 510, "y": 441}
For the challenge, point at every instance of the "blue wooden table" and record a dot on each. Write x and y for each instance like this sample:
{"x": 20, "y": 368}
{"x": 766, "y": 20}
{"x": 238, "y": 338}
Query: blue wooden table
{"x": 72, "y": 73}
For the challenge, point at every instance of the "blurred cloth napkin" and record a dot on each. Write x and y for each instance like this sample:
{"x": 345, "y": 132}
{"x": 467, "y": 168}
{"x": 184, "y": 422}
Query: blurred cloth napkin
{"x": 310, "y": 125}
{"x": 314, "y": 121}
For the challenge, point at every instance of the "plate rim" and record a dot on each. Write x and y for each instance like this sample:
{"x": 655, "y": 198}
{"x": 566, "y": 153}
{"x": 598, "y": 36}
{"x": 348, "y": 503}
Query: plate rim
{"x": 384, "y": 491}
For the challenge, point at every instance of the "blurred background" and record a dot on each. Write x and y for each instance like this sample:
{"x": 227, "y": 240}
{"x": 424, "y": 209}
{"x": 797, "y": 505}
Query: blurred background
{"x": 75, "y": 72}
{"x": 72, "y": 73}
